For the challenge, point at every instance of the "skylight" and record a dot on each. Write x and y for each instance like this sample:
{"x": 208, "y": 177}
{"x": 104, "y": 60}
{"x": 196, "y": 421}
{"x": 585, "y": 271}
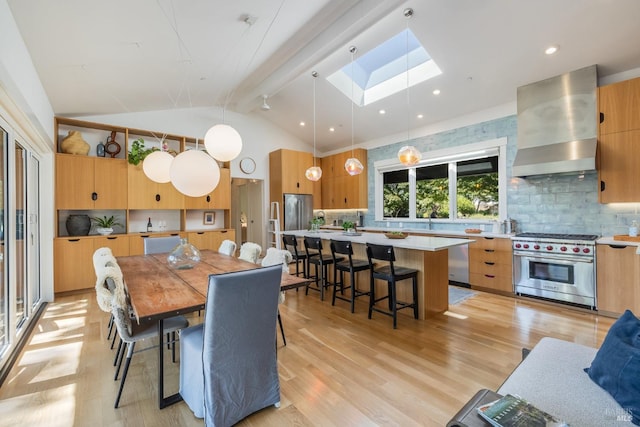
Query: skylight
{"x": 382, "y": 71}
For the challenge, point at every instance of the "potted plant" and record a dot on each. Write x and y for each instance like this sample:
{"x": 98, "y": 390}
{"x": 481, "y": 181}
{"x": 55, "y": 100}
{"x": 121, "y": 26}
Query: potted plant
{"x": 104, "y": 225}
{"x": 137, "y": 153}
{"x": 349, "y": 227}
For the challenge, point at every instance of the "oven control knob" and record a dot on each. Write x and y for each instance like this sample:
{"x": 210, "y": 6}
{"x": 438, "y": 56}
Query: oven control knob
{"x": 526, "y": 246}
{"x": 563, "y": 248}
{"x": 576, "y": 249}
{"x": 536, "y": 247}
{"x": 586, "y": 250}
{"x": 518, "y": 245}
{"x": 549, "y": 248}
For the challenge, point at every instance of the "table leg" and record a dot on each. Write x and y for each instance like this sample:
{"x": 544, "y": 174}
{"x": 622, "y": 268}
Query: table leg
{"x": 174, "y": 398}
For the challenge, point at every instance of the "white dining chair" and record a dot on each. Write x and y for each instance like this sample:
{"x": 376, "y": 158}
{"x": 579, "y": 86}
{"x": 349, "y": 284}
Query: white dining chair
{"x": 279, "y": 257}
{"x": 227, "y": 247}
{"x": 250, "y": 251}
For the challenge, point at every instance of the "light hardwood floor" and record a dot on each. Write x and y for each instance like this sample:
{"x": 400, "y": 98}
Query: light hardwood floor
{"x": 338, "y": 368}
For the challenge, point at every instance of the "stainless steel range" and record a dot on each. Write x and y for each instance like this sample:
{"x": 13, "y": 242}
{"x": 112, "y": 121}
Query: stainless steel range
{"x": 561, "y": 267}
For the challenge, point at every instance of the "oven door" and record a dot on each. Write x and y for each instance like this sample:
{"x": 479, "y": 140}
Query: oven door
{"x": 562, "y": 277}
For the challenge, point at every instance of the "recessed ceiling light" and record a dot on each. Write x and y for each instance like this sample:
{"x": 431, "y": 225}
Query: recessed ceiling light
{"x": 551, "y": 50}
{"x": 382, "y": 111}
{"x": 420, "y": 116}
{"x": 436, "y": 92}
{"x": 302, "y": 123}
{"x": 332, "y": 129}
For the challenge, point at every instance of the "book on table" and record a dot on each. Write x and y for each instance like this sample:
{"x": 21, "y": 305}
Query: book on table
{"x": 512, "y": 411}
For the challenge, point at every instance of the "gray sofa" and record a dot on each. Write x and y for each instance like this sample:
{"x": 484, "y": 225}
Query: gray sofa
{"x": 552, "y": 378}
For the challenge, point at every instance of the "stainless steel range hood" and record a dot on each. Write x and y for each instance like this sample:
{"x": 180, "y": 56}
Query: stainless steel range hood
{"x": 557, "y": 125}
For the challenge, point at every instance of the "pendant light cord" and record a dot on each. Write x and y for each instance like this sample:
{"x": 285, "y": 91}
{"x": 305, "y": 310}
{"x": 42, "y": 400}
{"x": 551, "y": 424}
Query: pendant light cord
{"x": 408, "y": 99}
{"x": 315, "y": 76}
{"x": 353, "y": 50}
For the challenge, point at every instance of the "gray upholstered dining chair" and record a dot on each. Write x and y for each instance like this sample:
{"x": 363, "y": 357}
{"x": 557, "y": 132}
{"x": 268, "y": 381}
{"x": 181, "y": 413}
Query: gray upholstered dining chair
{"x": 228, "y": 366}
{"x": 158, "y": 245}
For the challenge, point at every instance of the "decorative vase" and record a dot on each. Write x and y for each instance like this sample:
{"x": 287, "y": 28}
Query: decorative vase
{"x": 74, "y": 144}
{"x": 184, "y": 256}
{"x": 78, "y": 225}
{"x": 104, "y": 231}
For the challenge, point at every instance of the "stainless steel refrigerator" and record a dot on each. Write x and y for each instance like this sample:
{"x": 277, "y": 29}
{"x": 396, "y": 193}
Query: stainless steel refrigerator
{"x": 298, "y": 211}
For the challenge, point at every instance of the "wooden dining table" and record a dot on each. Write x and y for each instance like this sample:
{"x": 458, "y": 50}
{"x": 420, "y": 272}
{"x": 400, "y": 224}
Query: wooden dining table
{"x": 157, "y": 291}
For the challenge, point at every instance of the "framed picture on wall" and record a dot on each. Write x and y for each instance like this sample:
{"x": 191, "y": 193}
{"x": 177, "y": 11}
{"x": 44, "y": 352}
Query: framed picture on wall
{"x": 209, "y": 218}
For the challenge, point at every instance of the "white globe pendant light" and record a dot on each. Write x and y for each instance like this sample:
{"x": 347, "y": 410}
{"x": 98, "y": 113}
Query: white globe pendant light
{"x": 194, "y": 173}
{"x": 223, "y": 142}
{"x": 156, "y": 166}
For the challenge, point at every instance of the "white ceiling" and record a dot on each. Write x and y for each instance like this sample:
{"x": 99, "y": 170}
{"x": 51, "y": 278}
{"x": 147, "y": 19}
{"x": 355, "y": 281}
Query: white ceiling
{"x": 104, "y": 57}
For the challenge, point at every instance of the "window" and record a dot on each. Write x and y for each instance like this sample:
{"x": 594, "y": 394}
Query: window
{"x": 448, "y": 185}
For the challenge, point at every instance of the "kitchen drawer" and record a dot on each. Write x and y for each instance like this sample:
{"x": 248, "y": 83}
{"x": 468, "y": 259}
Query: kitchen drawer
{"x": 492, "y": 243}
{"x": 490, "y": 255}
{"x": 490, "y": 281}
{"x": 493, "y": 269}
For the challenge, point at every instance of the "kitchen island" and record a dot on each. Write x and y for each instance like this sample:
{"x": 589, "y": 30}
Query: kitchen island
{"x": 429, "y": 255}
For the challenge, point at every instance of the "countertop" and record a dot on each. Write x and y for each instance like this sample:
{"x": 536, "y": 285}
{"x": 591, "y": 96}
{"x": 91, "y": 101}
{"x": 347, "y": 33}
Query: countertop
{"x": 422, "y": 231}
{"x": 609, "y": 240}
{"x": 421, "y": 243}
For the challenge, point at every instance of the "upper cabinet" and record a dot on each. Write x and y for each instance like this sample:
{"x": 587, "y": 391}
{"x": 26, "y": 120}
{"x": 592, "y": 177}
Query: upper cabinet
{"x": 220, "y": 198}
{"x": 287, "y": 172}
{"x": 619, "y": 105}
{"x": 147, "y": 194}
{"x": 339, "y": 189}
{"x": 84, "y": 182}
{"x": 619, "y": 142}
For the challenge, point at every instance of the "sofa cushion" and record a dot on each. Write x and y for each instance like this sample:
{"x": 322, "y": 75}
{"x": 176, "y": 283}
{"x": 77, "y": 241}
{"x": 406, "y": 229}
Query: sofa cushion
{"x": 552, "y": 378}
{"x": 616, "y": 366}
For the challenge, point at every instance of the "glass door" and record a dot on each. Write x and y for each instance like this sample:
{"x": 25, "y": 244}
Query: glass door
{"x": 33, "y": 250}
{"x": 20, "y": 283}
{"x": 4, "y": 300}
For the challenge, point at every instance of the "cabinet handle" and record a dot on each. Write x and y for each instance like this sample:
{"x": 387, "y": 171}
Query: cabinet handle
{"x": 489, "y": 250}
{"x": 208, "y": 198}
{"x": 144, "y": 236}
{"x": 490, "y": 263}
{"x": 601, "y": 117}
{"x": 94, "y": 196}
{"x": 489, "y": 238}
{"x": 345, "y": 200}
{"x": 297, "y": 185}
{"x": 223, "y": 231}
{"x": 617, "y": 246}
{"x": 157, "y": 197}
{"x": 602, "y": 185}
{"x": 74, "y": 240}
{"x": 200, "y": 232}
{"x": 175, "y": 234}
{"x": 490, "y": 276}
{"x": 111, "y": 238}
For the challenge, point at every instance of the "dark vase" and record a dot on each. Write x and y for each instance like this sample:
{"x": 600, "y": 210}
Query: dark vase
{"x": 78, "y": 225}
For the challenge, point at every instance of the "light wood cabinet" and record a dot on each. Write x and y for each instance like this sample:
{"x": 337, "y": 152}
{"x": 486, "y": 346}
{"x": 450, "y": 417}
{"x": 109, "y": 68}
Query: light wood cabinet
{"x": 119, "y": 244}
{"x": 210, "y": 239}
{"x": 618, "y": 279}
{"x": 84, "y": 182}
{"x": 73, "y": 264}
{"x": 619, "y": 142}
{"x": 220, "y": 198}
{"x": 619, "y": 170}
{"x": 341, "y": 190}
{"x": 619, "y": 105}
{"x": 147, "y": 194}
{"x": 136, "y": 241}
{"x": 286, "y": 176}
{"x": 490, "y": 264}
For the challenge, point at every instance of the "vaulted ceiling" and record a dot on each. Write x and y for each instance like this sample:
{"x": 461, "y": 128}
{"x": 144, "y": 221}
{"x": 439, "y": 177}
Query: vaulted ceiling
{"x": 104, "y": 57}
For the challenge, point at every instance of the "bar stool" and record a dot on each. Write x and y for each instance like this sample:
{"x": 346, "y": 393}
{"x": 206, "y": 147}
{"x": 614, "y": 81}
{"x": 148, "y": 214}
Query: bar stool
{"x": 391, "y": 274}
{"x": 290, "y": 241}
{"x": 350, "y": 266}
{"x": 320, "y": 261}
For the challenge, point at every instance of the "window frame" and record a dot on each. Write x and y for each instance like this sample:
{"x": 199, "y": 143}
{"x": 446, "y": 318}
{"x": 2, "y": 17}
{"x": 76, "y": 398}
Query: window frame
{"x": 493, "y": 147}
